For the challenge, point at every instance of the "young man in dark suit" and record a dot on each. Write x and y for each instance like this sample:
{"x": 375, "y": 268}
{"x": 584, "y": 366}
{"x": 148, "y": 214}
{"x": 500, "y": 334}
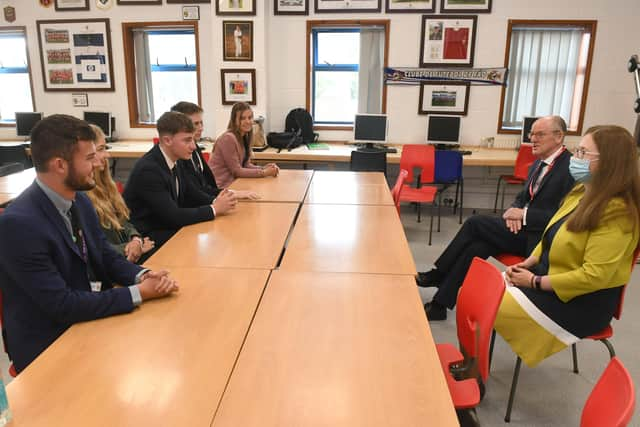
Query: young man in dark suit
{"x": 56, "y": 266}
{"x": 158, "y": 193}
{"x": 521, "y": 225}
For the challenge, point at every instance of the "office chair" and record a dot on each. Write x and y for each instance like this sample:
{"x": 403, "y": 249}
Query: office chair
{"x": 369, "y": 161}
{"x": 524, "y": 160}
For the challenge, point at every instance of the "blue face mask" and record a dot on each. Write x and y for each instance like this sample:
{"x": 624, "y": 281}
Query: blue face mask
{"x": 579, "y": 169}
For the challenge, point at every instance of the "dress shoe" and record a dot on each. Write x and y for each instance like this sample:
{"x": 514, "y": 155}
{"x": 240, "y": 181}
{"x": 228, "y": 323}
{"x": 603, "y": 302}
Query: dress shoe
{"x": 435, "y": 311}
{"x": 429, "y": 279}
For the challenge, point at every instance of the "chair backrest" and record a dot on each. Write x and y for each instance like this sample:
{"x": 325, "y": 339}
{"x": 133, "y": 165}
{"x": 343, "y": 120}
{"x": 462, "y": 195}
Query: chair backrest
{"x": 418, "y": 156}
{"x": 478, "y": 303}
{"x": 618, "y": 313}
{"x": 205, "y": 156}
{"x": 448, "y": 166}
{"x": 9, "y": 168}
{"x": 612, "y": 400}
{"x": 524, "y": 160}
{"x": 362, "y": 161}
{"x": 397, "y": 187}
{"x": 14, "y": 154}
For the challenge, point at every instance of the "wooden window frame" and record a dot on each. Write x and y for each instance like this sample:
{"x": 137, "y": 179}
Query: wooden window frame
{"x": 129, "y": 63}
{"x": 589, "y": 25}
{"x": 23, "y": 29}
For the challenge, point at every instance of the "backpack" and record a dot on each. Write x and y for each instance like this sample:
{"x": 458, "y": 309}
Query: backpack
{"x": 285, "y": 140}
{"x": 300, "y": 119}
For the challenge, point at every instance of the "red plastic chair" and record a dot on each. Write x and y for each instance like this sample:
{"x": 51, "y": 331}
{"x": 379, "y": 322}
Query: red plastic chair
{"x": 612, "y": 400}
{"x": 524, "y": 160}
{"x": 12, "y": 369}
{"x": 395, "y": 191}
{"x": 205, "y": 156}
{"x": 422, "y": 157}
{"x": 120, "y": 187}
{"x": 478, "y": 303}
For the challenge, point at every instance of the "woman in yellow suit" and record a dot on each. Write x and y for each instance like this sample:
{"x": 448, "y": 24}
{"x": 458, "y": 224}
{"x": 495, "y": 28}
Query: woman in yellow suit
{"x": 570, "y": 285}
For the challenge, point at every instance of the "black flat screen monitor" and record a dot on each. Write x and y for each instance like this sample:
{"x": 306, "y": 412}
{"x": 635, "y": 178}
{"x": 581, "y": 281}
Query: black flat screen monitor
{"x": 100, "y": 119}
{"x": 370, "y": 128}
{"x": 25, "y": 122}
{"x": 527, "y": 124}
{"x": 443, "y": 130}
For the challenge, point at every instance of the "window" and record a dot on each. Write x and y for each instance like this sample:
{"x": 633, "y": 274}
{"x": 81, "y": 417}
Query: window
{"x": 15, "y": 79}
{"x": 549, "y": 64}
{"x": 345, "y": 70}
{"x": 162, "y": 68}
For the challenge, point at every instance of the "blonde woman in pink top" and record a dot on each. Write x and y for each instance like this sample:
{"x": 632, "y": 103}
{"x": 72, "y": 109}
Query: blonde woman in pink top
{"x": 231, "y": 157}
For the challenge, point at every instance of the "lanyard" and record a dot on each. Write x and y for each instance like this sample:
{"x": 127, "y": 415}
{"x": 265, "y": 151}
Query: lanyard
{"x": 532, "y": 182}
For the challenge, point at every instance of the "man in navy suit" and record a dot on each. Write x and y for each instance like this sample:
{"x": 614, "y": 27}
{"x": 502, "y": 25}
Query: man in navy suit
{"x": 521, "y": 226}
{"x": 56, "y": 266}
{"x": 160, "y": 196}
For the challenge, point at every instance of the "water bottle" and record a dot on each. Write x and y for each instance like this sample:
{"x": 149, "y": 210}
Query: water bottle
{"x": 5, "y": 413}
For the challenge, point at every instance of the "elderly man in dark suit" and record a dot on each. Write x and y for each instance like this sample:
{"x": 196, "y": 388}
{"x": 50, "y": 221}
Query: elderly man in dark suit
{"x": 56, "y": 266}
{"x": 160, "y": 196}
{"x": 521, "y": 226}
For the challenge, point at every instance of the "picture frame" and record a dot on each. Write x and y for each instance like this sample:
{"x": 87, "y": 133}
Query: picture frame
{"x": 444, "y": 97}
{"x": 237, "y": 40}
{"x": 138, "y": 2}
{"x": 347, "y": 6}
{"x": 235, "y": 7}
{"x": 71, "y": 5}
{"x": 80, "y": 99}
{"x": 447, "y": 40}
{"x": 75, "y": 54}
{"x": 238, "y": 85}
{"x": 104, "y": 4}
{"x": 190, "y": 13}
{"x": 291, "y": 7}
{"x": 410, "y": 6}
{"x": 465, "y": 6}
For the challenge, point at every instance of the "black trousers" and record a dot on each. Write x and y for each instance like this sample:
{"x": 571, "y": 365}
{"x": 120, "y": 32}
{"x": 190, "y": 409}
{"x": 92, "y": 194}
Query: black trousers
{"x": 480, "y": 236}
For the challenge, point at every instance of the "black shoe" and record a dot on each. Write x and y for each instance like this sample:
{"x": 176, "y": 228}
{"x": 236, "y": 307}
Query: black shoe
{"x": 435, "y": 311}
{"x": 427, "y": 279}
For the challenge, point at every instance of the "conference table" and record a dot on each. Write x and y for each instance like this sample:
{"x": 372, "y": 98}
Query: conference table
{"x": 354, "y": 188}
{"x": 289, "y": 186}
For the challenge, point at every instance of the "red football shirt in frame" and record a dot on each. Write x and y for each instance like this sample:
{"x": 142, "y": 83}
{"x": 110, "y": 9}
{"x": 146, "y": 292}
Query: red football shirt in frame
{"x": 456, "y": 41}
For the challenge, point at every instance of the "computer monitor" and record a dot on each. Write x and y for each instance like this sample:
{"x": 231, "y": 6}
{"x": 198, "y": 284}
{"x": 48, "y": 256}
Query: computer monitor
{"x": 443, "y": 130}
{"x": 25, "y": 122}
{"x": 370, "y": 129}
{"x": 100, "y": 119}
{"x": 527, "y": 124}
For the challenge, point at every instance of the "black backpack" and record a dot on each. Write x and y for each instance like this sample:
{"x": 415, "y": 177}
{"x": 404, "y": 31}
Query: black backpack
{"x": 300, "y": 119}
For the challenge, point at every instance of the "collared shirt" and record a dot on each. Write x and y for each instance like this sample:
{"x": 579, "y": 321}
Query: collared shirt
{"x": 63, "y": 206}
{"x": 171, "y": 164}
{"x": 545, "y": 163}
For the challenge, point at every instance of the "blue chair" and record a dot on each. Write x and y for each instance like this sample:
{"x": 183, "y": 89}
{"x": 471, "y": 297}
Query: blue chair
{"x": 448, "y": 171}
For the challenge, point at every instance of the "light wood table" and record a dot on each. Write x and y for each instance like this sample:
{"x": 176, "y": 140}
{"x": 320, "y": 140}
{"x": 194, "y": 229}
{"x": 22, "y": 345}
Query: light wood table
{"x": 165, "y": 364}
{"x": 351, "y": 188}
{"x": 12, "y": 185}
{"x": 252, "y": 236}
{"x": 288, "y": 186}
{"x": 348, "y": 238}
{"x": 338, "y": 350}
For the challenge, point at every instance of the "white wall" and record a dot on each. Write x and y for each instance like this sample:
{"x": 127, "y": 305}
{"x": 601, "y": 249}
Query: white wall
{"x": 279, "y": 60}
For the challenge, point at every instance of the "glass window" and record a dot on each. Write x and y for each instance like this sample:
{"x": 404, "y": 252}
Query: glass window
{"x": 549, "y": 63}
{"x": 15, "y": 80}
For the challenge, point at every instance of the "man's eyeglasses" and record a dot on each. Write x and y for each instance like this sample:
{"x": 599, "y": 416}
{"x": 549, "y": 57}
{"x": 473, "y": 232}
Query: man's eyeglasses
{"x": 580, "y": 152}
{"x": 541, "y": 134}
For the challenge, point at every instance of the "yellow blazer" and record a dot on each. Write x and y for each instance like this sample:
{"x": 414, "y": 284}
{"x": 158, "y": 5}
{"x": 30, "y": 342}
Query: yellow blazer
{"x": 585, "y": 262}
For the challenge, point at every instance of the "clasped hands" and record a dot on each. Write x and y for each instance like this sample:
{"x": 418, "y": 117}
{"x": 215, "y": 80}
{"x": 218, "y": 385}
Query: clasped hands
{"x": 518, "y": 275}
{"x": 513, "y": 218}
{"x": 156, "y": 284}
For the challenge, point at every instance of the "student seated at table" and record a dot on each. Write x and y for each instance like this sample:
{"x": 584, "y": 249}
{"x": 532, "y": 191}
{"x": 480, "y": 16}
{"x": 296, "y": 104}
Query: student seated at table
{"x": 56, "y": 266}
{"x": 231, "y": 157}
{"x": 570, "y": 286}
{"x": 159, "y": 196}
{"x": 113, "y": 213}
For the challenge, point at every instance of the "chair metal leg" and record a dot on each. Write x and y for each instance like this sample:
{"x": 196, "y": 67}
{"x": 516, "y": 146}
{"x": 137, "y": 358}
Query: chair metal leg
{"x": 493, "y": 341}
{"x": 418, "y": 207}
{"x": 455, "y": 203}
{"x": 495, "y": 203}
{"x": 461, "y": 182}
{"x": 439, "y": 206}
{"x": 504, "y": 187}
{"x": 512, "y": 393}
{"x": 574, "y": 354}
{"x": 431, "y": 225}
{"x": 612, "y": 352}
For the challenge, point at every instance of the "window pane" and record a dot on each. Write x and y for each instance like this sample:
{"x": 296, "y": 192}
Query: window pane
{"x": 16, "y": 95}
{"x": 172, "y": 87}
{"x": 172, "y": 49}
{"x": 338, "y": 48}
{"x": 336, "y": 96}
{"x": 13, "y": 52}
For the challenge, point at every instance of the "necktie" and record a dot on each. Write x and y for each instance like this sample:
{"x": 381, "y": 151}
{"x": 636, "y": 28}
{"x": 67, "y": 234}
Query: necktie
{"x": 197, "y": 162}
{"x": 76, "y": 230}
{"x": 536, "y": 179}
{"x": 174, "y": 174}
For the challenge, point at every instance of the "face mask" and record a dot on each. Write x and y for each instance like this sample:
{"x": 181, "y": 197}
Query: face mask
{"x": 579, "y": 169}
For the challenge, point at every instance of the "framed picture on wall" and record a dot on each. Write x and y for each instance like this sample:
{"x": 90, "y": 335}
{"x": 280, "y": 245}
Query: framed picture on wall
{"x": 75, "y": 54}
{"x": 138, "y": 2}
{"x": 347, "y": 6}
{"x": 410, "y": 6}
{"x": 237, "y": 37}
{"x": 465, "y": 6}
{"x": 444, "y": 97}
{"x": 238, "y": 85}
{"x": 235, "y": 7}
{"x": 447, "y": 40}
{"x": 71, "y": 5}
{"x": 291, "y": 7}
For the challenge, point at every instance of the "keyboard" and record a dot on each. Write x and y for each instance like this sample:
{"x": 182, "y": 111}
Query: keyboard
{"x": 377, "y": 150}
